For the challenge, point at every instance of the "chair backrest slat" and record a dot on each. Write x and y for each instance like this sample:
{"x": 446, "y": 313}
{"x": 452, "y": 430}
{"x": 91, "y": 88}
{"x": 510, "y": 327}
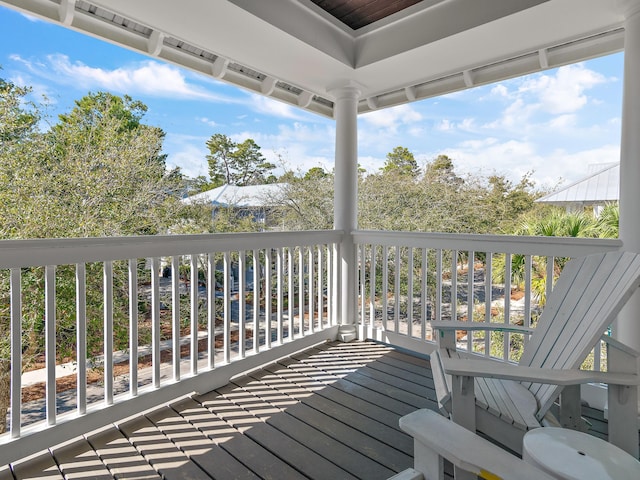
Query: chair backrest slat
{"x": 587, "y": 297}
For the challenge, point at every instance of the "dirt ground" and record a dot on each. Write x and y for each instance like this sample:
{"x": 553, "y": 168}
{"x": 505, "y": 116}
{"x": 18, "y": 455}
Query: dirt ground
{"x": 96, "y": 375}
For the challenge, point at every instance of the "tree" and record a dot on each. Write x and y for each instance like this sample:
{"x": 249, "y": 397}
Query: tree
{"x": 306, "y": 200}
{"x": 401, "y": 161}
{"x": 19, "y": 140}
{"x": 97, "y": 172}
{"x": 236, "y": 163}
{"x": 441, "y": 170}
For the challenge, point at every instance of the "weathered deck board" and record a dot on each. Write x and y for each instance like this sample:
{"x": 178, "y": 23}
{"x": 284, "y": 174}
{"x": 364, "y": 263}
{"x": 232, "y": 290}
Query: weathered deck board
{"x": 120, "y": 457}
{"x": 161, "y": 453}
{"x": 40, "y": 467}
{"x": 78, "y": 460}
{"x": 328, "y": 412}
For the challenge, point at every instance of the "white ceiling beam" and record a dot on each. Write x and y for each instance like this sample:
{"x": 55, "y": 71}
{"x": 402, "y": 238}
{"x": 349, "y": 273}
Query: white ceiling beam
{"x": 467, "y": 75}
{"x": 66, "y": 11}
{"x": 543, "y": 58}
{"x": 156, "y": 42}
{"x": 268, "y": 85}
{"x": 410, "y": 93}
{"x": 373, "y": 103}
{"x": 304, "y": 99}
{"x": 219, "y": 67}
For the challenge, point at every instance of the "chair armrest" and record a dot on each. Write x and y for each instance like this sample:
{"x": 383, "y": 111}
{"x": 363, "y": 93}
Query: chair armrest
{"x": 497, "y": 327}
{"x": 479, "y": 368}
{"x": 464, "y": 448}
{"x": 618, "y": 345}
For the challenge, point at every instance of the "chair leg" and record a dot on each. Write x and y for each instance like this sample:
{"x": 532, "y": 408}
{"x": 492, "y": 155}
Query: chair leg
{"x": 623, "y": 418}
{"x": 463, "y": 412}
{"x": 570, "y": 409}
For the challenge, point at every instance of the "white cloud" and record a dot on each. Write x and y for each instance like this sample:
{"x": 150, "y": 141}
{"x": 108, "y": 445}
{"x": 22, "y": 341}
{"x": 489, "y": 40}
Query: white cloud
{"x": 446, "y": 125}
{"x": 563, "y": 92}
{"x": 299, "y": 145}
{"x": 148, "y": 78}
{"x": 563, "y": 121}
{"x": 190, "y": 158}
{"x": 500, "y": 90}
{"x": 514, "y": 158}
{"x": 544, "y": 102}
{"x": 275, "y": 108}
{"x": 392, "y": 118}
{"x": 208, "y": 122}
{"x": 516, "y": 116}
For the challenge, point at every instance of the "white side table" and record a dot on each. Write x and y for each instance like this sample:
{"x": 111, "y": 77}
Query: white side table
{"x": 568, "y": 455}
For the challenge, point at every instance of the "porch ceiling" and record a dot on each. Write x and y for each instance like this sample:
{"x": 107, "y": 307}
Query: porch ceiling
{"x": 298, "y": 50}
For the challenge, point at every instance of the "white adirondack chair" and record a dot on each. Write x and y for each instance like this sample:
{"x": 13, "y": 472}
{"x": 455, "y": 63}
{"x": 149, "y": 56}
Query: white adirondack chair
{"x": 511, "y": 399}
{"x": 435, "y": 438}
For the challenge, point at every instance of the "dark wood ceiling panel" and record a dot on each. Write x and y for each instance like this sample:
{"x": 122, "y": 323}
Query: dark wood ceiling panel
{"x": 360, "y": 13}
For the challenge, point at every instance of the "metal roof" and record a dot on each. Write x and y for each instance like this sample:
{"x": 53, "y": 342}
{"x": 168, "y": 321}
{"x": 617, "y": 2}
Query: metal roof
{"x": 244, "y": 197}
{"x": 600, "y": 187}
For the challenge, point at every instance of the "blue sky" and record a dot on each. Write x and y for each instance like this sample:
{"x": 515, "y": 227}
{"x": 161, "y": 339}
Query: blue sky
{"x": 557, "y": 124}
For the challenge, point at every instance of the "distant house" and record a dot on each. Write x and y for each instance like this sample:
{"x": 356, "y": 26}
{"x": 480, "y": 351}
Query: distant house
{"x": 600, "y": 187}
{"x": 257, "y": 201}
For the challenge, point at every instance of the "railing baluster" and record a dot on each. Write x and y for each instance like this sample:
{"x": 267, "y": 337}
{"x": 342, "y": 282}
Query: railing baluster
{"x": 301, "y": 290}
{"x": 133, "y": 326}
{"x": 385, "y": 285}
{"x": 311, "y": 291}
{"x": 155, "y": 322}
{"x": 597, "y": 356}
{"x": 256, "y": 301}
{"x": 507, "y": 304}
{"x": 528, "y": 268}
{"x": 288, "y": 270}
{"x": 488, "y": 298}
{"x": 424, "y": 300}
{"x": 333, "y": 282}
{"x": 321, "y": 285}
{"x": 175, "y": 316}
{"x": 211, "y": 309}
{"x": 372, "y": 287}
{"x": 549, "y": 283}
{"x": 268, "y": 288}
{"x": 227, "y": 307}
{"x": 194, "y": 313}
{"x": 16, "y": 351}
{"x": 396, "y": 289}
{"x": 470, "y": 287}
{"x": 108, "y": 332}
{"x": 410, "y": 292}
{"x": 81, "y": 338}
{"x": 280, "y": 294}
{"x": 439, "y": 285}
{"x": 454, "y": 285}
{"x": 50, "y": 341}
{"x": 241, "y": 303}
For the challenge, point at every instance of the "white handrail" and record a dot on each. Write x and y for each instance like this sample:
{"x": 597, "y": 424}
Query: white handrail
{"x": 438, "y": 283}
{"x": 120, "y": 259}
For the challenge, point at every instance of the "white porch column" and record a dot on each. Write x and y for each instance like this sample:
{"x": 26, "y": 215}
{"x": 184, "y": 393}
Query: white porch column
{"x": 345, "y": 203}
{"x": 627, "y": 326}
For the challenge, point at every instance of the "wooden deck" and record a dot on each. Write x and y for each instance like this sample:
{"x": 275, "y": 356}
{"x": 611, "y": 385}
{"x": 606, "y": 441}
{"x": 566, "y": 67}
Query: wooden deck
{"x": 330, "y": 412}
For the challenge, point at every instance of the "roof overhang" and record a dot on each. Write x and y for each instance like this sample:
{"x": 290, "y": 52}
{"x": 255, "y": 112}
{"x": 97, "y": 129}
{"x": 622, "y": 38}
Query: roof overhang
{"x": 294, "y": 51}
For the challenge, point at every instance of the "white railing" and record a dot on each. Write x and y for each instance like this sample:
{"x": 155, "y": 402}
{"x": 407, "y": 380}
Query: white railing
{"x": 156, "y": 317}
{"x": 243, "y": 295}
{"x": 406, "y": 280}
